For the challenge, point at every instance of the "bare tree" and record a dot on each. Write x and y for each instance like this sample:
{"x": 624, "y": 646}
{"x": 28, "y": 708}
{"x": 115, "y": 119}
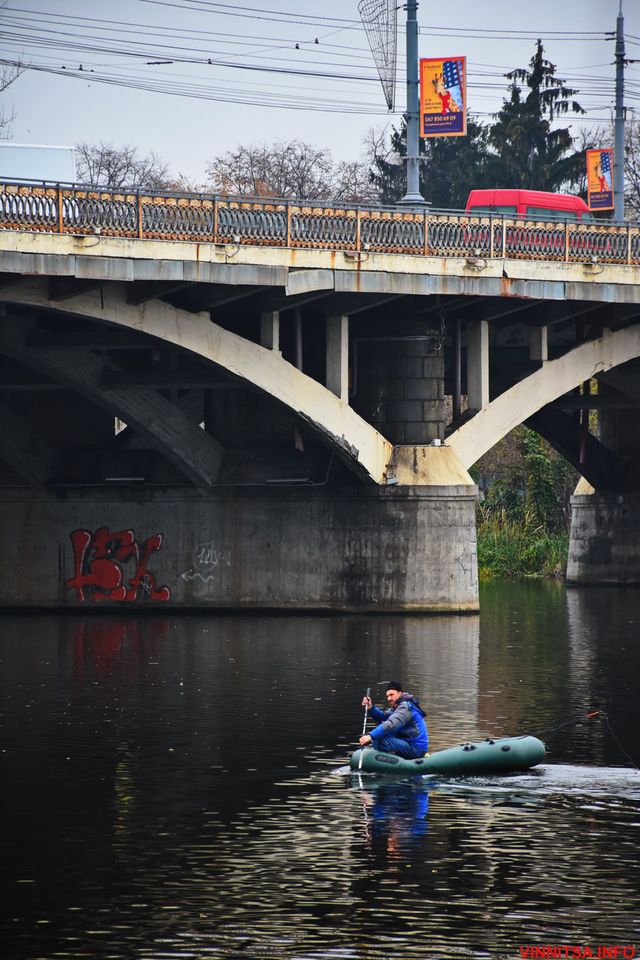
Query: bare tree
{"x": 8, "y": 73}
{"x": 383, "y": 150}
{"x": 291, "y": 169}
{"x": 10, "y": 70}
{"x": 604, "y": 136}
{"x": 184, "y": 183}
{"x": 108, "y": 166}
{"x": 352, "y": 183}
{"x": 632, "y": 169}
{"x": 378, "y": 145}
{"x": 596, "y": 139}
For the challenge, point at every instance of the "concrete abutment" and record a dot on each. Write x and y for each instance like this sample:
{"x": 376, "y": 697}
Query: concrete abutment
{"x": 396, "y": 548}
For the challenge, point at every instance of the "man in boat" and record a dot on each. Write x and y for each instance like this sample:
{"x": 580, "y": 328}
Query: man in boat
{"x": 402, "y": 728}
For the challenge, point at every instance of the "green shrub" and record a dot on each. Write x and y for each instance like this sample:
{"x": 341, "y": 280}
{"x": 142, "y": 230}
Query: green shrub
{"x": 523, "y": 521}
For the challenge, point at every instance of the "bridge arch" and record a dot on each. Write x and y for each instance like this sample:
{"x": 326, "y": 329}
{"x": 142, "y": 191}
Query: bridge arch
{"x": 530, "y": 395}
{"x": 362, "y": 447}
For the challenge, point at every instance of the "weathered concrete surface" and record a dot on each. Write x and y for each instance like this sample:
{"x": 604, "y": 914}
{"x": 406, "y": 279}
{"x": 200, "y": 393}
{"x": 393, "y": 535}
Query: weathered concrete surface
{"x": 429, "y": 466}
{"x": 323, "y": 269}
{"x": 552, "y": 380}
{"x": 351, "y": 549}
{"x": 604, "y": 545}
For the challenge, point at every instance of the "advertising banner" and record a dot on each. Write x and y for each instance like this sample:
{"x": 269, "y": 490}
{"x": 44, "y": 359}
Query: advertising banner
{"x": 443, "y": 97}
{"x": 600, "y": 179}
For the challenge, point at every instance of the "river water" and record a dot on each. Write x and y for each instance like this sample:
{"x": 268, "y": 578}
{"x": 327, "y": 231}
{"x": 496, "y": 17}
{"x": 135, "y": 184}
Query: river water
{"x": 175, "y": 787}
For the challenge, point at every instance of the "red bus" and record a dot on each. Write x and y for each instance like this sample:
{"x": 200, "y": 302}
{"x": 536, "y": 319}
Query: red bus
{"x": 528, "y": 203}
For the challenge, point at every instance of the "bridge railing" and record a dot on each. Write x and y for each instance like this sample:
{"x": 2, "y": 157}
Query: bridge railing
{"x": 56, "y": 208}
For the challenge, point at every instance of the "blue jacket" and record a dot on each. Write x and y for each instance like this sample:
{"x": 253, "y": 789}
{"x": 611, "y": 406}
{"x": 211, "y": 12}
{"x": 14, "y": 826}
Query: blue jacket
{"x": 406, "y": 721}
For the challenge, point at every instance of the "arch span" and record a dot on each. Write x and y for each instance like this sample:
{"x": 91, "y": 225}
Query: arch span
{"x": 358, "y": 443}
{"x": 551, "y": 381}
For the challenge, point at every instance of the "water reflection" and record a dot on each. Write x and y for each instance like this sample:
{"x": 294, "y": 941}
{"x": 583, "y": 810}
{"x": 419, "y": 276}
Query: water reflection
{"x": 394, "y": 813}
{"x": 171, "y": 787}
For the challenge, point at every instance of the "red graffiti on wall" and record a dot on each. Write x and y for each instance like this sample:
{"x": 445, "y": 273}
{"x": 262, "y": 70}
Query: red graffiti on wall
{"x": 100, "y": 559}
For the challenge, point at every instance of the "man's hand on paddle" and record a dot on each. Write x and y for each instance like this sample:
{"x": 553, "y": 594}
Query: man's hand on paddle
{"x": 366, "y": 702}
{"x": 363, "y": 741}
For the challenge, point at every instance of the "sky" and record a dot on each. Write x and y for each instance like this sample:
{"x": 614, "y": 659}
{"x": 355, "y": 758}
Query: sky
{"x": 191, "y": 79}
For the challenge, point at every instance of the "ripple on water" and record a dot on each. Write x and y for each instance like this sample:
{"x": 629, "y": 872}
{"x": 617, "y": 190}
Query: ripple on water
{"x": 171, "y": 788}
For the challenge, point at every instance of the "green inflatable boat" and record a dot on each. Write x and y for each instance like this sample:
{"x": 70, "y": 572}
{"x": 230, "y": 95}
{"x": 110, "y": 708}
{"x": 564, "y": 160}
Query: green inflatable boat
{"x": 503, "y": 755}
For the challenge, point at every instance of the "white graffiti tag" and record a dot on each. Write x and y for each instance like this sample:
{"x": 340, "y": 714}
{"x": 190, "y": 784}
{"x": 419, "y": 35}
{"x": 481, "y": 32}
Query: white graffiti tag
{"x": 207, "y": 558}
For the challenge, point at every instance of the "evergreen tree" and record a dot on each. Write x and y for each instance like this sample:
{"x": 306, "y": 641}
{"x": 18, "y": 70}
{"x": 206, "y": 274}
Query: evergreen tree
{"x": 453, "y": 166}
{"x": 529, "y": 154}
{"x": 456, "y": 165}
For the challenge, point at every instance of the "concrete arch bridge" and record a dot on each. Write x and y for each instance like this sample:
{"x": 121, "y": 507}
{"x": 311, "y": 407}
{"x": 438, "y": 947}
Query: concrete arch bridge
{"x": 249, "y": 423}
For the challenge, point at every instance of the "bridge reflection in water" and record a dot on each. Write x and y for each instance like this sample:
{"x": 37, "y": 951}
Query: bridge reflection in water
{"x": 175, "y": 778}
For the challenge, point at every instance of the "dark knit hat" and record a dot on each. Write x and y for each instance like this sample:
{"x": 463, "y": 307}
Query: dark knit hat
{"x": 394, "y": 685}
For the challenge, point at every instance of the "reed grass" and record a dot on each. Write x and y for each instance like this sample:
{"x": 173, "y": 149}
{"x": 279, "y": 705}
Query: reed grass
{"x": 519, "y": 548}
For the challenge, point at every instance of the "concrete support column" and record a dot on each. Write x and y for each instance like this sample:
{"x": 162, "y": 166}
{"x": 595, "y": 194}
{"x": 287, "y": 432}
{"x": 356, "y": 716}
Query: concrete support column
{"x": 538, "y": 346}
{"x": 457, "y": 369}
{"x": 398, "y": 381}
{"x": 270, "y": 330}
{"x": 337, "y": 377}
{"x": 478, "y": 364}
{"x": 297, "y": 319}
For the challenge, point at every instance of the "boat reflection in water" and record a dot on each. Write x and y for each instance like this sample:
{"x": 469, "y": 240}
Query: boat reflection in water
{"x": 395, "y": 814}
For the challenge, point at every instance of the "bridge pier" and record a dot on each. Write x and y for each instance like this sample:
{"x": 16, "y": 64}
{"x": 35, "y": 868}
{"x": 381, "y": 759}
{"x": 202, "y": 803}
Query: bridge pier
{"x": 398, "y": 380}
{"x": 350, "y": 549}
{"x": 604, "y": 545}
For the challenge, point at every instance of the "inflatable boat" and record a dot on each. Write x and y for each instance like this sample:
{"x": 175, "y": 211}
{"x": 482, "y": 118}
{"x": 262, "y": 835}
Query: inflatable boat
{"x": 502, "y": 755}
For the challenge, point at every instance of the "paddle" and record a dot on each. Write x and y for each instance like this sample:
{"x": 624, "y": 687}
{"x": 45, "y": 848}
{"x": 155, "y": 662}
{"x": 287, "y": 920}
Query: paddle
{"x": 364, "y": 728}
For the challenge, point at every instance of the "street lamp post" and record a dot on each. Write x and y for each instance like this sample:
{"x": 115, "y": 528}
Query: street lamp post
{"x": 618, "y": 154}
{"x": 413, "y": 195}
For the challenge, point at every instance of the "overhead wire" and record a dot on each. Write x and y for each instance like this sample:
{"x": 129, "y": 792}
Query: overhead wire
{"x": 232, "y": 10}
{"x": 209, "y": 93}
{"x": 222, "y": 38}
{"x": 56, "y": 32}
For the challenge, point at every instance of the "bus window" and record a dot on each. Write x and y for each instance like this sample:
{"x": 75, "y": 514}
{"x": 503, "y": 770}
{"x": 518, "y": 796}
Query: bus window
{"x": 547, "y": 214}
{"x": 487, "y": 211}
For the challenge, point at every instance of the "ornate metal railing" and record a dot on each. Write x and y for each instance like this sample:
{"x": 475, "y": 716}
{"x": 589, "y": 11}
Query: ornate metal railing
{"x": 279, "y": 223}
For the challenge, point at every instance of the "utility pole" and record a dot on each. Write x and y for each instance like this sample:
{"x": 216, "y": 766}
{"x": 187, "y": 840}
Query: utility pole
{"x": 618, "y": 154}
{"x": 413, "y": 195}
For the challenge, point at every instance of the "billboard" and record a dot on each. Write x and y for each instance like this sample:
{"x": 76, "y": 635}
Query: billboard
{"x": 443, "y": 97}
{"x": 28, "y": 161}
{"x": 600, "y": 179}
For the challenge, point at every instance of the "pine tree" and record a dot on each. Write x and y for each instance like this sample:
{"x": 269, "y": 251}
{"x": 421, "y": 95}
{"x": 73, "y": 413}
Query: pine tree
{"x": 453, "y": 166}
{"x": 529, "y": 154}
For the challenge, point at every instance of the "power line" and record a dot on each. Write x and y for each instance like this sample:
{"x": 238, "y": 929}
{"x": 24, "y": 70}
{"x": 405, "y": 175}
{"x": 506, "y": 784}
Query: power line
{"x": 484, "y": 33}
{"x": 208, "y": 92}
{"x": 152, "y": 30}
{"x": 279, "y": 17}
{"x": 89, "y": 37}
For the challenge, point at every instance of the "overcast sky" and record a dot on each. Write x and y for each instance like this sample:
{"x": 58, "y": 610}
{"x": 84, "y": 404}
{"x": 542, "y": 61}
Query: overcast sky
{"x": 268, "y": 78}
